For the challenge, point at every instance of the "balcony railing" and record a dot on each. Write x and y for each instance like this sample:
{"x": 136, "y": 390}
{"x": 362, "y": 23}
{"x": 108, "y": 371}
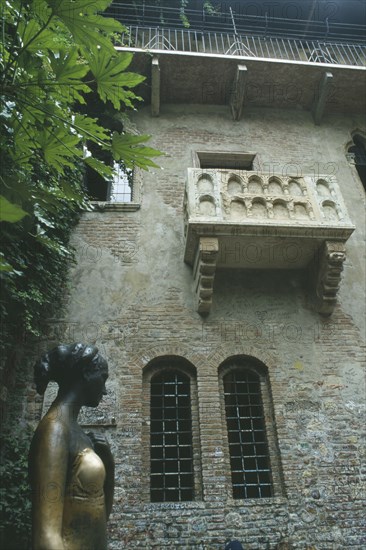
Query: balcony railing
{"x": 243, "y": 196}
{"x": 251, "y": 220}
{"x": 262, "y": 37}
{"x": 220, "y": 43}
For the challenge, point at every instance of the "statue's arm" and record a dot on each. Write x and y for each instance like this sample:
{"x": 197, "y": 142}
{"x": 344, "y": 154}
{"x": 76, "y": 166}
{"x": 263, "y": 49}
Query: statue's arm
{"x": 48, "y": 460}
{"x": 103, "y": 450}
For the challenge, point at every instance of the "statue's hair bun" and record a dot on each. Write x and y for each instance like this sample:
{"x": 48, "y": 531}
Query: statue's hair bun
{"x": 42, "y": 374}
{"x": 50, "y": 367}
{"x": 62, "y": 362}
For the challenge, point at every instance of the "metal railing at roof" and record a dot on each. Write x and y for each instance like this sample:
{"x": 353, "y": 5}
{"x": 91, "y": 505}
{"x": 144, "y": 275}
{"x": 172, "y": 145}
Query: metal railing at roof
{"x": 251, "y": 36}
{"x": 311, "y": 51}
{"x": 230, "y": 22}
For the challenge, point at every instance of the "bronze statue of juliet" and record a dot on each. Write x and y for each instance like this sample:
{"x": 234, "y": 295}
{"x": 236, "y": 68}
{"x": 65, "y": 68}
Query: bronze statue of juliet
{"x": 71, "y": 472}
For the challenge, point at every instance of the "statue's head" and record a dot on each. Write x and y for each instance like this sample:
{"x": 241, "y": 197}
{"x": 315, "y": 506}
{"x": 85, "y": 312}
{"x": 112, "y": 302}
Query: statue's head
{"x": 73, "y": 364}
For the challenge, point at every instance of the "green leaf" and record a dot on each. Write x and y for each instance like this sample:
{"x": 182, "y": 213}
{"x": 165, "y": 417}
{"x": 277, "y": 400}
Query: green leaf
{"x": 99, "y": 166}
{"x": 42, "y": 218}
{"x": 24, "y": 142}
{"x": 59, "y": 147}
{"x": 128, "y": 148}
{"x": 10, "y": 212}
{"x": 80, "y": 17}
{"x": 41, "y": 10}
{"x": 90, "y": 129}
{"x": 4, "y": 265}
{"x": 69, "y": 74}
{"x": 67, "y": 68}
{"x": 32, "y": 41}
{"x": 111, "y": 78}
{"x": 128, "y": 139}
{"x": 70, "y": 193}
{"x": 52, "y": 244}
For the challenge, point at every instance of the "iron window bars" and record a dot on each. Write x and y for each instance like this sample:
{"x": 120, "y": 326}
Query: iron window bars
{"x": 171, "y": 459}
{"x": 249, "y": 457}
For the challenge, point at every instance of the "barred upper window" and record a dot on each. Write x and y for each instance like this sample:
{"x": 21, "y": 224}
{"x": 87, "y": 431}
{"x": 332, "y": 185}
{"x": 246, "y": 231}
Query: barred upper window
{"x": 171, "y": 457}
{"x": 120, "y": 189}
{"x": 358, "y": 152}
{"x": 249, "y": 457}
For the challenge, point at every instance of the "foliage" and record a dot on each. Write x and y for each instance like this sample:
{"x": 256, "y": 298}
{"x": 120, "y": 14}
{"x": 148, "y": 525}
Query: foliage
{"x": 55, "y": 55}
{"x": 38, "y": 250}
{"x": 208, "y": 7}
{"x": 15, "y": 503}
{"x": 182, "y": 13}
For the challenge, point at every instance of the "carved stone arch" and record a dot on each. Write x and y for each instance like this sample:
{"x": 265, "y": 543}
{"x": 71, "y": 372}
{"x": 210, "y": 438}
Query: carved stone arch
{"x": 222, "y": 353}
{"x": 255, "y": 184}
{"x": 142, "y": 360}
{"x": 276, "y": 183}
{"x": 207, "y": 205}
{"x": 280, "y": 208}
{"x": 234, "y": 177}
{"x": 169, "y": 362}
{"x": 234, "y": 184}
{"x": 205, "y": 184}
{"x": 250, "y": 362}
{"x": 238, "y": 208}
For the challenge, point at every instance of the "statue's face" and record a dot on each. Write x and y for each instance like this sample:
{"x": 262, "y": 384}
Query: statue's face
{"x": 95, "y": 387}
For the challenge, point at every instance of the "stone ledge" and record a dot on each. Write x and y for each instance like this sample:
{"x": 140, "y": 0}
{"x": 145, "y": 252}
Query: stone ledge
{"x": 104, "y": 206}
{"x": 229, "y": 502}
{"x": 184, "y": 505}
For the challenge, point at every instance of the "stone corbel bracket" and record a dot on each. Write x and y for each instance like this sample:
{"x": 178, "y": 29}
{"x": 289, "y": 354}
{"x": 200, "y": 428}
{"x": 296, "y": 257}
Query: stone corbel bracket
{"x": 204, "y": 272}
{"x": 327, "y": 268}
{"x": 331, "y": 258}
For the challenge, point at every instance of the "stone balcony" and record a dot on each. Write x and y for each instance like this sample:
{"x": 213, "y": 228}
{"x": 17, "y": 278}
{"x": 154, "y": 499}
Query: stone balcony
{"x": 255, "y": 220}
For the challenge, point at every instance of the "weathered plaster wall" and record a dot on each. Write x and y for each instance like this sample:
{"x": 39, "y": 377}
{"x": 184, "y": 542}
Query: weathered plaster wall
{"x": 131, "y": 293}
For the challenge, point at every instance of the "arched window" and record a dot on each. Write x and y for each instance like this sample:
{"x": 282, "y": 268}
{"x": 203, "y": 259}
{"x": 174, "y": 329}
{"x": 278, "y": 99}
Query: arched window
{"x": 358, "y": 153}
{"x": 171, "y": 455}
{"x": 249, "y": 459}
{"x": 251, "y": 474}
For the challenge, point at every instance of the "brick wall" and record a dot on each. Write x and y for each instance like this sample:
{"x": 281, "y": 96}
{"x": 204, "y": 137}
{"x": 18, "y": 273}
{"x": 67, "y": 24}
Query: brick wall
{"x": 132, "y": 295}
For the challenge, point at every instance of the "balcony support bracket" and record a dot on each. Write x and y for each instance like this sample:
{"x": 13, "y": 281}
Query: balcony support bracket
{"x": 204, "y": 272}
{"x": 155, "y": 87}
{"x": 322, "y": 96}
{"x": 330, "y": 265}
{"x": 238, "y": 92}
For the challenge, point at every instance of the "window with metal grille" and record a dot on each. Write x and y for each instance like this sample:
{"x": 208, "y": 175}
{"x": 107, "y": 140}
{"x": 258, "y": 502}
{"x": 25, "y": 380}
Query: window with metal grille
{"x": 358, "y": 154}
{"x": 118, "y": 190}
{"x": 171, "y": 458}
{"x": 121, "y": 187}
{"x": 249, "y": 457}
